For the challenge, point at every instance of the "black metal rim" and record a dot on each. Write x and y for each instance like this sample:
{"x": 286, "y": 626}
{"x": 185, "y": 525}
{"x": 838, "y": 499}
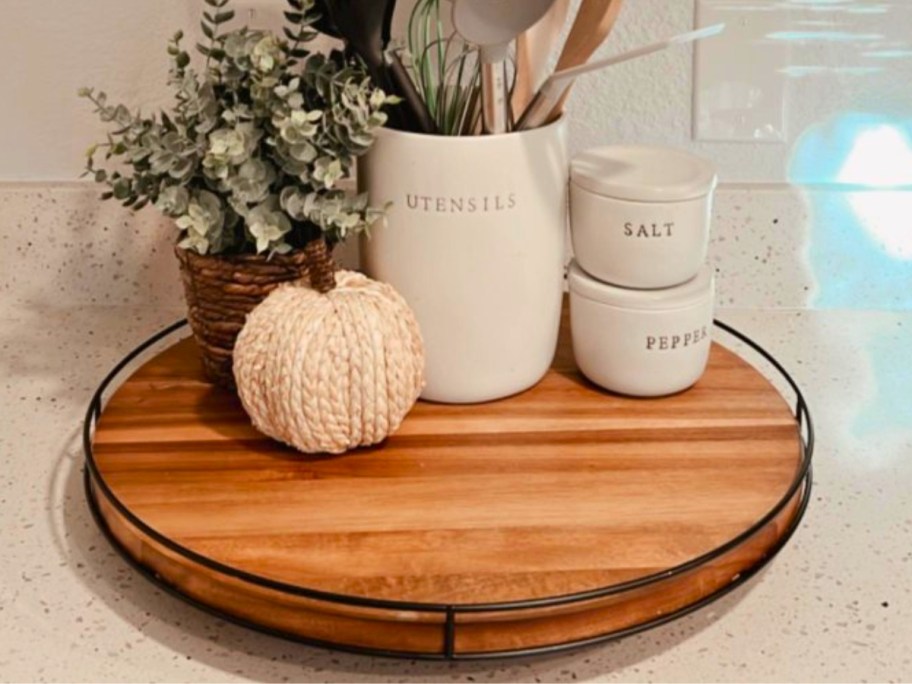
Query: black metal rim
{"x": 448, "y": 652}
{"x": 802, "y": 479}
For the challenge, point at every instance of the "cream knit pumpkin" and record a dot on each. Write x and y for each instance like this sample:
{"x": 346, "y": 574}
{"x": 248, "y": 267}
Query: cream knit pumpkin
{"x": 326, "y": 373}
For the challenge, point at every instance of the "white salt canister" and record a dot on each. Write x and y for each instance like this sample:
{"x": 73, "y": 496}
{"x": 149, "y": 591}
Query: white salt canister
{"x": 640, "y": 215}
{"x": 642, "y": 343}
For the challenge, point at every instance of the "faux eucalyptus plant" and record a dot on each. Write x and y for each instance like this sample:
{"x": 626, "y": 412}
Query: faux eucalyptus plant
{"x": 249, "y": 157}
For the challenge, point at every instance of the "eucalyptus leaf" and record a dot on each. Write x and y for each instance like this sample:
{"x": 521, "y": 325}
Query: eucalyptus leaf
{"x": 249, "y": 157}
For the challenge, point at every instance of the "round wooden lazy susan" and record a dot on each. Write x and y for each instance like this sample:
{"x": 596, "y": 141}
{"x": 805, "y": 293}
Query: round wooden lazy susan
{"x": 553, "y": 519}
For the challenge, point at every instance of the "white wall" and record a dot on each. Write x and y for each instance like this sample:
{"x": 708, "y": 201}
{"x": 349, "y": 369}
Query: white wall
{"x": 49, "y": 48}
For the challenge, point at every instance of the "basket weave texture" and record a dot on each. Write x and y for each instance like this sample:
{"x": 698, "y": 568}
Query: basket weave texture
{"x": 221, "y": 291}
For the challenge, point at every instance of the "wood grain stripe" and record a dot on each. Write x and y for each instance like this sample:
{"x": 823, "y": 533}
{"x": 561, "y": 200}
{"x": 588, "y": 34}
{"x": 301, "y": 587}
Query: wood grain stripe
{"x": 560, "y": 490}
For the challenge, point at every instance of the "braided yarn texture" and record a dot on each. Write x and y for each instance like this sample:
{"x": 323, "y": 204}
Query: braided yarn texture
{"x": 326, "y": 373}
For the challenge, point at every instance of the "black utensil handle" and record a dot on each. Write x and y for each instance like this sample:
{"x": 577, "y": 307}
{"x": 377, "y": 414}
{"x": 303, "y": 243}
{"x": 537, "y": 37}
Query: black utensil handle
{"x": 405, "y": 88}
{"x": 387, "y": 29}
{"x": 325, "y": 24}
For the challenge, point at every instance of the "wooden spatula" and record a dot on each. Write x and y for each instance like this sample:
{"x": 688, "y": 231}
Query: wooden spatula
{"x": 534, "y": 49}
{"x": 593, "y": 23}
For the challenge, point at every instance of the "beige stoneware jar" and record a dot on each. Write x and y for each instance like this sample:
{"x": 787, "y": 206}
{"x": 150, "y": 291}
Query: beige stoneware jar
{"x": 643, "y": 343}
{"x": 474, "y": 242}
{"x": 640, "y": 216}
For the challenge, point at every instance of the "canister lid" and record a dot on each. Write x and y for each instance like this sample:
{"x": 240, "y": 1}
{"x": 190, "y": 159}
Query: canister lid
{"x": 679, "y": 297}
{"x": 643, "y": 174}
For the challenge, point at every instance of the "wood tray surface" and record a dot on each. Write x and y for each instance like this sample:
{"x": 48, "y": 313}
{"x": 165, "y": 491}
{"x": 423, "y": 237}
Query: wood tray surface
{"x": 562, "y": 490}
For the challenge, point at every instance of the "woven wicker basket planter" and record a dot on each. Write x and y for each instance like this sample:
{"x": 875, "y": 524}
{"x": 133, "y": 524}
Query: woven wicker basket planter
{"x": 221, "y": 291}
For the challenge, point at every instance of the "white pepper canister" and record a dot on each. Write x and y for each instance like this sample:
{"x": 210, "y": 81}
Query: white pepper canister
{"x": 643, "y": 343}
{"x": 640, "y": 215}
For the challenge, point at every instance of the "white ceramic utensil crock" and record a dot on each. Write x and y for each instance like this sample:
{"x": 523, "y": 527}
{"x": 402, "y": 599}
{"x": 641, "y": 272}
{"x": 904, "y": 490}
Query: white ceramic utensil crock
{"x": 640, "y": 215}
{"x": 474, "y": 241}
{"x": 642, "y": 343}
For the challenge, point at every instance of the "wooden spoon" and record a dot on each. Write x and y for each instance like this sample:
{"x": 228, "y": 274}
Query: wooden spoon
{"x": 534, "y": 49}
{"x": 593, "y": 23}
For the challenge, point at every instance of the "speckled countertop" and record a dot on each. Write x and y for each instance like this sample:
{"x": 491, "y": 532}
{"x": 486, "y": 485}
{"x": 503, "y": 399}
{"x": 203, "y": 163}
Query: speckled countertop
{"x": 835, "y": 605}
{"x": 83, "y": 282}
